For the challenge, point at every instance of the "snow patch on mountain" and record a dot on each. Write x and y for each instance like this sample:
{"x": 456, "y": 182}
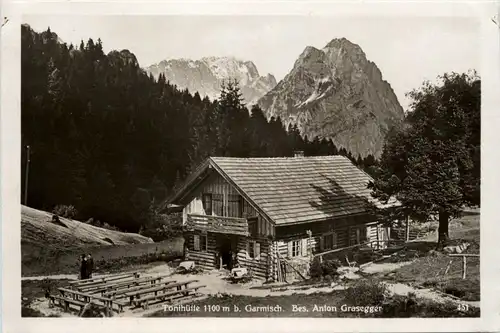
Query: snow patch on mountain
{"x": 207, "y": 75}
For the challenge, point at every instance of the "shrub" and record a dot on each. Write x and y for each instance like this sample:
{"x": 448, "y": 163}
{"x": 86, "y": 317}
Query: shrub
{"x": 162, "y": 226}
{"x": 329, "y": 267}
{"x": 67, "y": 211}
{"x": 322, "y": 269}
{"x": 109, "y": 227}
{"x": 367, "y": 292}
{"x": 410, "y": 306}
{"x": 315, "y": 270}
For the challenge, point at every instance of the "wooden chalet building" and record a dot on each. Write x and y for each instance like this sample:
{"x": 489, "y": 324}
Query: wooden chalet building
{"x": 256, "y": 210}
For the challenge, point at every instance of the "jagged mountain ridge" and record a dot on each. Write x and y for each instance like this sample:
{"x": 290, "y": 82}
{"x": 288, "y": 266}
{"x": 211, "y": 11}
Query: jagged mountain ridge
{"x": 206, "y": 76}
{"x": 336, "y": 93}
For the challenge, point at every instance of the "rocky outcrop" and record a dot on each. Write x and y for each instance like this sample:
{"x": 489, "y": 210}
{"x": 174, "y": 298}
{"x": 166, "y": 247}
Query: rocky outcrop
{"x": 207, "y": 75}
{"x": 336, "y": 93}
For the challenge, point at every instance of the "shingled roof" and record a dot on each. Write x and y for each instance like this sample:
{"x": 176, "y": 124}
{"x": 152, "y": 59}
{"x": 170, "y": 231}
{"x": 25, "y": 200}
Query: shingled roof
{"x": 294, "y": 190}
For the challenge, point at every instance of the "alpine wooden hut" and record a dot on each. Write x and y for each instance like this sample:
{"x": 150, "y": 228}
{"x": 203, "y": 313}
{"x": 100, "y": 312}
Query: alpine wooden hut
{"x": 257, "y": 211}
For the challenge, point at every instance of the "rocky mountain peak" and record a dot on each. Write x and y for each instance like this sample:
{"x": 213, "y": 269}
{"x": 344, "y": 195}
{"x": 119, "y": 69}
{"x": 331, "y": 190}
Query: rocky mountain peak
{"x": 207, "y": 74}
{"x": 336, "y": 92}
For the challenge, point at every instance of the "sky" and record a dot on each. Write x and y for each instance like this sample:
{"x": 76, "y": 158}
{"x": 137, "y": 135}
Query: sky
{"x": 407, "y": 50}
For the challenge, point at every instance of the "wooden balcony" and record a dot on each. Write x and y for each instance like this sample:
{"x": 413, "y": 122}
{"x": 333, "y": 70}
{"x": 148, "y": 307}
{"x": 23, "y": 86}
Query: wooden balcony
{"x": 218, "y": 224}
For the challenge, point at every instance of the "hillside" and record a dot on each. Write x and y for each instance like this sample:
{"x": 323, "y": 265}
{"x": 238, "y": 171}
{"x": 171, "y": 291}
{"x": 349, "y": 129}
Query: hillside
{"x": 207, "y": 75}
{"x": 38, "y": 230}
{"x": 337, "y": 93}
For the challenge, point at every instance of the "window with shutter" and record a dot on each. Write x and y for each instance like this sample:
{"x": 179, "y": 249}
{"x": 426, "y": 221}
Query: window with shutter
{"x": 329, "y": 241}
{"x": 196, "y": 239}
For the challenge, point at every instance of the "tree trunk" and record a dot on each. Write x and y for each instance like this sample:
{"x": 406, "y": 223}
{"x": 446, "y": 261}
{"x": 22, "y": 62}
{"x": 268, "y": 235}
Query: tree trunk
{"x": 444, "y": 218}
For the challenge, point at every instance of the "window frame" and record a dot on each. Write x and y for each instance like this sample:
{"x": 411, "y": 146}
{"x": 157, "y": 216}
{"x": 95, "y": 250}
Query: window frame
{"x": 252, "y": 245}
{"x": 298, "y": 248}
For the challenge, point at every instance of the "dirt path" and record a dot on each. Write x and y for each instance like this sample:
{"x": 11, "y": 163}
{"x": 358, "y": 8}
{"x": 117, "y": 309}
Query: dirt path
{"x": 50, "y": 277}
{"x": 216, "y": 284}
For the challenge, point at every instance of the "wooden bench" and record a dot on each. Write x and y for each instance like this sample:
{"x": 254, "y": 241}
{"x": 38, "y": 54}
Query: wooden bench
{"x": 168, "y": 296}
{"x": 65, "y": 302}
{"x": 120, "y": 293}
{"x": 108, "y": 302}
{"x": 137, "y": 293}
{"x": 123, "y": 284}
{"x": 103, "y": 280}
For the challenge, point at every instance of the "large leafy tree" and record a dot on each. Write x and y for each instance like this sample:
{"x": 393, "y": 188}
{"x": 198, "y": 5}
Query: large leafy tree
{"x": 431, "y": 164}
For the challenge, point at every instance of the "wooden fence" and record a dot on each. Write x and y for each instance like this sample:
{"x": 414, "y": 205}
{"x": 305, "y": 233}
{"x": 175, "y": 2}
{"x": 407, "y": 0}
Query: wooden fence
{"x": 464, "y": 262}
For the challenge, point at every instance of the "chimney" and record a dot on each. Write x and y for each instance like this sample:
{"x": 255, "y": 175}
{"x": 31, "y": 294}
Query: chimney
{"x": 298, "y": 153}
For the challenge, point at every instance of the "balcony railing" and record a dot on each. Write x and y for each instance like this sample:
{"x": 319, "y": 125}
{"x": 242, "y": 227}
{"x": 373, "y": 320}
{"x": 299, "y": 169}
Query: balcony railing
{"x": 218, "y": 224}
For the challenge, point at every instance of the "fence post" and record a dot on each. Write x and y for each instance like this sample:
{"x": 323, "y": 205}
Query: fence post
{"x": 407, "y": 231}
{"x": 464, "y": 266}
{"x": 321, "y": 259}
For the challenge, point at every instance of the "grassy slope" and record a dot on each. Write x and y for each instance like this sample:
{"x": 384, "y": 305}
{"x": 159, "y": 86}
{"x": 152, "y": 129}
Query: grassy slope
{"x": 48, "y": 248}
{"x": 36, "y": 227}
{"x": 428, "y": 271}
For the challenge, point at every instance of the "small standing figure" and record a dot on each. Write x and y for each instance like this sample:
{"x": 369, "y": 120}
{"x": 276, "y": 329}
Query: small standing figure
{"x": 90, "y": 265}
{"x": 83, "y": 268}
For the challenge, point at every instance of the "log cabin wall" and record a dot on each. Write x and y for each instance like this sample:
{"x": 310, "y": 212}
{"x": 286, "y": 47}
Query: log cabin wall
{"x": 259, "y": 264}
{"x": 294, "y": 245}
{"x": 204, "y": 257}
{"x": 257, "y": 260}
{"x": 215, "y": 184}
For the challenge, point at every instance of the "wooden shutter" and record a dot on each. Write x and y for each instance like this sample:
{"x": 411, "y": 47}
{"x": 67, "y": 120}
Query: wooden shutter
{"x": 334, "y": 240}
{"x": 196, "y": 239}
{"x": 256, "y": 250}
{"x": 206, "y": 243}
{"x": 290, "y": 249}
{"x": 207, "y": 203}
{"x": 304, "y": 247}
{"x": 218, "y": 204}
{"x": 321, "y": 242}
{"x": 248, "y": 249}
